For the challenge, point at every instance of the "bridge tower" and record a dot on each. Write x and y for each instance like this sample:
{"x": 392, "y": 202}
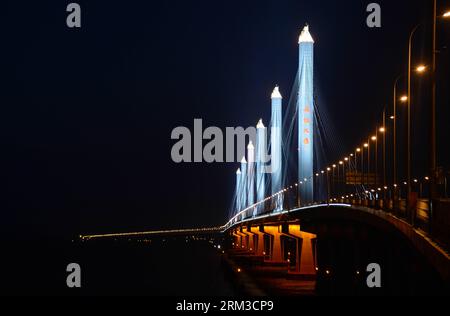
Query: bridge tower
{"x": 261, "y": 154}
{"x": 251, "y": 176}
{"x": 238, "y": 190}
{"x": 276, "y": 142}
{"x": 243, "y": 184}
{"x": 305, "y": 110}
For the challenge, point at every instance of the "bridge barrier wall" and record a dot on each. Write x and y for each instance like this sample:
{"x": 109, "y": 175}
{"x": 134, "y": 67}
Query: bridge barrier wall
{"x": 440, "y": 222}
{"x": 440, "y": 226}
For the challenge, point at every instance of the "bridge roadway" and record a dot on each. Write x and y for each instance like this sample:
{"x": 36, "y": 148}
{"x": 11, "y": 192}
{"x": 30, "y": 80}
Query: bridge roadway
{"x": 174, "y": 232}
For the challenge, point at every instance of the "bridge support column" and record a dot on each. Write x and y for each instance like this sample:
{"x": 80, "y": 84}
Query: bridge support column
{"x": 259, "y": 241}
{"x": 251, "y": 246}
{"x": 243, "y": 238}
{"x": 276, "y": 247}
{"x": 305, "y": 252}
{"x": 237, "y": 241}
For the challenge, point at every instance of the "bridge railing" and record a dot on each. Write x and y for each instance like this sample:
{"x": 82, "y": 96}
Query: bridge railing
{"x": 437, "y": 226}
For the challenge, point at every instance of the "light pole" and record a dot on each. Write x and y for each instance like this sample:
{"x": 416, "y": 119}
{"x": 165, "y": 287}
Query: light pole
{"x": 408, "y": 142}
{"x": 383, "y": 131}
{"x": 334, "y": 181}
{"x": 433, "y": 102}
{"x": 365, "y": 176}
{"x": 322, "y": 175}
{"x": 446, "y": 15}
{"x": 395, "y": 130}
{"x": 316, "y": 185}
{"x": 358, "y": 176}
{"x": 402, "y": 99}
{"x": 375, "y": 139}
{"x": 328, "y": 185}
{"x": 432, "y": 187}
{"x": 369, "y": 178}
{"x": 341, "y": 191}
{"x": 338, "y": 186}
{"x": 344, "y": 177}
{"x": 350, "y": 166}
{"x": 433, "y": 158}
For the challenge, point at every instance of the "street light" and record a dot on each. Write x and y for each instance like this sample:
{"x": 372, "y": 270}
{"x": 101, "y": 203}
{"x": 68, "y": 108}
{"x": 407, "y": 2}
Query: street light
{"x": 404, "y": 98}
{"x": 421, "y": 68}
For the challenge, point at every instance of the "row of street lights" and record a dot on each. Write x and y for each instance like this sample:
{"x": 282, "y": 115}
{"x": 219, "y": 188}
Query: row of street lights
{"x": 420, "y": 69}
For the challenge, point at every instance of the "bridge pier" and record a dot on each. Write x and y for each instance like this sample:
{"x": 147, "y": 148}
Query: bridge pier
{"x": 250, "y": 236}
{"x": 305, "y": 250}
{"x": 276, "y": 254}
{"x": 305, "y": 263}
{"x": 236, "y": 239}
{"x": 259, "y": 241}
{"x": 243, "y": 238}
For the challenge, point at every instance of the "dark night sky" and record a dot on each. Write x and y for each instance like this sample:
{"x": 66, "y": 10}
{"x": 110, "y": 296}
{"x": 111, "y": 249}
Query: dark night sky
{"x": 86, "y": 115}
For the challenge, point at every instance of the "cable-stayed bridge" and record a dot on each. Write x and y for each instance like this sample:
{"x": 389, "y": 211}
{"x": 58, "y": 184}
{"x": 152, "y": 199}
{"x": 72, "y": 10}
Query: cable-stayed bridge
{"x": 291, "y": 205}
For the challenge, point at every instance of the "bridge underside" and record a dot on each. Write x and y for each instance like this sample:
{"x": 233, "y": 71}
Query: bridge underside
{"x": 278, "y": 245}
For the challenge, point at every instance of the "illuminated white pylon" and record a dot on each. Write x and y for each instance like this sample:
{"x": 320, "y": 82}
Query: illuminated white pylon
{"x": 276, "y": 141}
{"x": 238, "y": 191}
{"x": 261, "y": 159}
{"x": 251, "y": 174}
{"x": 305, "y": 110}
{"x": 243, "y": 190}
